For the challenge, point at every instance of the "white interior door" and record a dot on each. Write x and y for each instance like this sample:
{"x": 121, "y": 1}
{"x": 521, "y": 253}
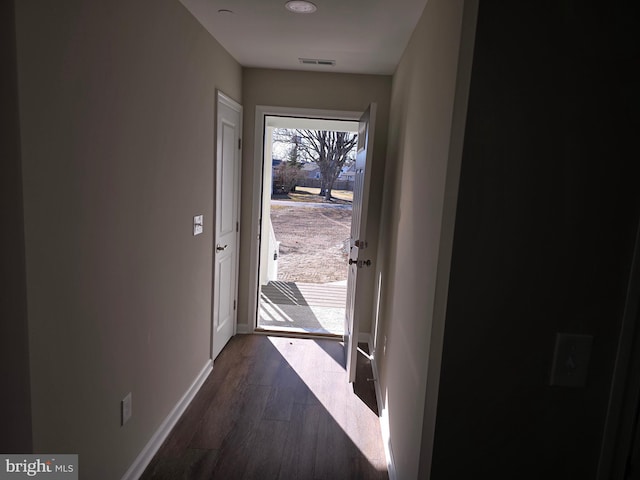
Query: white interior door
{"x": 359, "y": 263}
{"x": 225, "y": 250}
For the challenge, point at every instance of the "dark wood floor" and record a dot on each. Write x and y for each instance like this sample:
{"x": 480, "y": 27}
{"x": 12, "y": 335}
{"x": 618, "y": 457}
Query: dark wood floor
{"x": 277, "y": 408}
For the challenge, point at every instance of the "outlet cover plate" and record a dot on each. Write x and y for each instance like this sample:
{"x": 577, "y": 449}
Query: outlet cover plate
{"x": 125, "y": 407}
{"x": 571, "y": 360}
{"x": 198, "y": 224}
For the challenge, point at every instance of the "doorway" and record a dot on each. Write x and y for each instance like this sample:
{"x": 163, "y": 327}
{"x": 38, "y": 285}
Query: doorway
{"x": 306, "y": 212}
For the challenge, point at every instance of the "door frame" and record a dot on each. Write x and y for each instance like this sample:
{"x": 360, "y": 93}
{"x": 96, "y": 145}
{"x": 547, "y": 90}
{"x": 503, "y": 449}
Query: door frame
{"x": 624, "y": 396}
{"x": 263, "y": 111}
{"x": 222, "y": 98}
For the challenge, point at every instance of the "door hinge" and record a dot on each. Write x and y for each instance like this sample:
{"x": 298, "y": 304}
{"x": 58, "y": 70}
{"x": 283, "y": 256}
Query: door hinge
{"x": 234, "y": 304}
{"x": 239, "y": 144}
{"x": 237, "y": 227}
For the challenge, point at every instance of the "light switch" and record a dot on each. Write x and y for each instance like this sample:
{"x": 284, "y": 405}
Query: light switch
{"x": 198, "y": 225}
{"x": 571, "y": 360}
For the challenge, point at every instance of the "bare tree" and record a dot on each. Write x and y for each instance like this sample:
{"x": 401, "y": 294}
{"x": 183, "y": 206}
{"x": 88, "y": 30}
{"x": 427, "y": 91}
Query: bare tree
{"x": 289, "y": 172}
{"x": 330, "y": 150}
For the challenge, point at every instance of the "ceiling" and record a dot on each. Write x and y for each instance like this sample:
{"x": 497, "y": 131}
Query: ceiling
{"x": 362, "y": 36}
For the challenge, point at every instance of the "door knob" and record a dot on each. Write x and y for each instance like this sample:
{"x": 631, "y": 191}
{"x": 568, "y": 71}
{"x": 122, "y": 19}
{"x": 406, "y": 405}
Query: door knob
{"x": 360, "y": 263}
{"x": 220, "y": 249}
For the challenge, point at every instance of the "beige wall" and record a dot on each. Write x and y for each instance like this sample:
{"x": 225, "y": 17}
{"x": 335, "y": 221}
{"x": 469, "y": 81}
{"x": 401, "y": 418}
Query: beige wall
{"x": 325, "y": 91}
{"x": 425, "y": 133}
{"x": 117, "y": 122}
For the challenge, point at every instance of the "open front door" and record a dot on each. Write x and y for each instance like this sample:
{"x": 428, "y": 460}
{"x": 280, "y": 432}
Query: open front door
{"x": 225, "y": 249}
{"x": 358, "y": 260}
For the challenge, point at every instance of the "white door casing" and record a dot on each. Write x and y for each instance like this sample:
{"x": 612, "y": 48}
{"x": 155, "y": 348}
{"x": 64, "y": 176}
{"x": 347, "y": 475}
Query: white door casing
{"x": 227, "y": 208}
{"x": 359, "y": 263}
{"x": 255, "y": 209}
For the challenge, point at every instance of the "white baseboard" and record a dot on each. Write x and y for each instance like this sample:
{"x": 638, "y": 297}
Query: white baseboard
{"x": 146, "y": 455}
{"x": 384, "y": 417}
{"x": 364, "y": 337}
{"x": 244, "y": 329}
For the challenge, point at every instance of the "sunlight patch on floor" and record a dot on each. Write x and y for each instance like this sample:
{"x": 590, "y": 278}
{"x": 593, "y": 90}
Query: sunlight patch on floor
{"x": 322, "y": 382}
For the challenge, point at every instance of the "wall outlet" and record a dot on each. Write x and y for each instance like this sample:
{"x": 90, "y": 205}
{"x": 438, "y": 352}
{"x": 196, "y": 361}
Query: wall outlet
{"x": 125, "y": 409}
{"x": 198, "y": 224}
{"x": 571, "y": 360}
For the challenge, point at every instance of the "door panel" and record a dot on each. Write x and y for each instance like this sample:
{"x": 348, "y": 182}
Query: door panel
{"x": 225, "y": 293}
{"x": 227, "y": 174}
{"x": 359, "y": 264}
{"x": 225, "y": 248}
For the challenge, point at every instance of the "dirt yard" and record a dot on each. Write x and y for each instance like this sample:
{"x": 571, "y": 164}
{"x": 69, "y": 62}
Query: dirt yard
{"x": 314, "y": 244}
{"x": 311, "y": 195}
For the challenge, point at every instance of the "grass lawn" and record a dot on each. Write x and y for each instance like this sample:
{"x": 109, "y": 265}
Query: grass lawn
{"x": 305, "y": 194}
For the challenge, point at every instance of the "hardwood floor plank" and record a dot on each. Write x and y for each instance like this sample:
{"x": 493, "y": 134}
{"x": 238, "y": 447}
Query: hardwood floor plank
{"x": 332, "y": 451}
{"x": 299, "y": 450}
{"x": 193, "y": 464}
{"x": 227, "y": 421}
{"x": 265, "y": 457}
{"x": 279, "y": 404}
{"x": 275, "y": 408}
{"x": 225, "y": 406}
{"x": 265, "y": 371}
{"x": 238, "y": 443}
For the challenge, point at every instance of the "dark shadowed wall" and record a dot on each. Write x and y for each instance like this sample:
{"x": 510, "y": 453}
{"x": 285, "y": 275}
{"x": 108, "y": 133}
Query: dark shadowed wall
{"x": 546, "y": 219}
{"x": 15, "y": 405}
